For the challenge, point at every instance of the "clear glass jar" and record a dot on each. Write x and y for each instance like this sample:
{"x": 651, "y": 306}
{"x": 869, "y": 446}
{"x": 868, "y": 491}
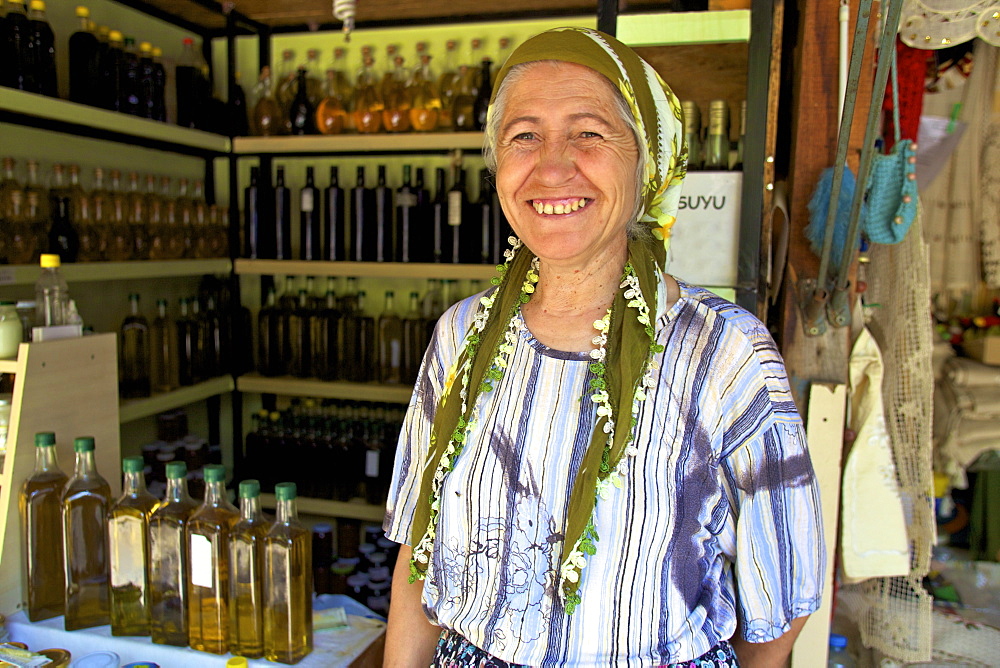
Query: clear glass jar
{"x": 10, "y": 330}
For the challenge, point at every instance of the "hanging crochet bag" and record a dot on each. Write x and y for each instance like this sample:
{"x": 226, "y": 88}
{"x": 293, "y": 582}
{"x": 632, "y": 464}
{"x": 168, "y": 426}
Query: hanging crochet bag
{"x": 892, "y": 185}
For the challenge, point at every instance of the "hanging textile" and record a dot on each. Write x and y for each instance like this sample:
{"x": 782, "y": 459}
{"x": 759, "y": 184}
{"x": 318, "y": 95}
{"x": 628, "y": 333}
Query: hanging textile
{"x": 938, "y": 24}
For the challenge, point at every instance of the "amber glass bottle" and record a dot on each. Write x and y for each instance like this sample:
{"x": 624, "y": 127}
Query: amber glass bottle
{"x": 288, "y": 592}
{"x": 208, "y": 533}
{"x": 367, "y": 104}
{"x": 41, "y": 525}
{"x": 85, "y": 503}
{"x": 425, "y": 101}
{"x": 128, "y": 548}
{"x": 246, "y": 584}
{"x": 397, "y": 98}
{"x": 168, "y": 560}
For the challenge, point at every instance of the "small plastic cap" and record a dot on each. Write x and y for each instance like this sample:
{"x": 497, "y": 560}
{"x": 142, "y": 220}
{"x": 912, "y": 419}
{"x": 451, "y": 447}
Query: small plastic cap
{"x": 49, "y": 261}
{"x": 82, "y": 12}
{"x": 215, "y": 473}
{"x": 838, "y": 641}
{"x": 37, "y": 5}
{"x": 145, "y": 46}
{"x": 45, "y": 438}
{"x": 132, "y": 465}
{"x": 285, "y": 491}
{"x": 115, "y": 36}
{"x": 249, "y": 489}
{"x": 176, "y": 470}
{"x": 237, "y": 662}
{"x": 83, "y": 444}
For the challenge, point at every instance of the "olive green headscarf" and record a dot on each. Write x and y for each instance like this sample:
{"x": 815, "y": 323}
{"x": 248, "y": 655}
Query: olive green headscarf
{"x": 658, "y": 115}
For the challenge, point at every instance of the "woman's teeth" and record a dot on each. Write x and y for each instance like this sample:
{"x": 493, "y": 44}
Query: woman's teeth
{"x": 561, "y": 207}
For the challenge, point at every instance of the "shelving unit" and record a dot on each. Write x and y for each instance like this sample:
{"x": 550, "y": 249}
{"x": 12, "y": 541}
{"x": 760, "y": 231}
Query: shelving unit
{"x": 311, "y": 387}
{"x": 23, "y": 274}
{"x": 363, "y": 269}
{"x": 134, "y": 409}
{"x": 676, "y": 28}
{"x": 404, "y": 142}
{"x": 326, "y": 508}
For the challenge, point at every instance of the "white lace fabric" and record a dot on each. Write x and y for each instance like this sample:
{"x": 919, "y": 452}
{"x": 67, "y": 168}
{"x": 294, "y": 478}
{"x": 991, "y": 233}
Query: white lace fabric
{"x": 939, "y": 24}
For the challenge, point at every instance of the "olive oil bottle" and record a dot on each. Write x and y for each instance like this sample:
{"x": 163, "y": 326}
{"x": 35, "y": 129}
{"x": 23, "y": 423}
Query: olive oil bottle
{"x": 85, "y": 503}
{"x": 288, "y": 584}
{"x": 246, "y": 557}
{"x": 168, "y": 560}
{"x": 128, "y": 550}
{"x": 41, "y": 526}
{"x": 208, "y": 533}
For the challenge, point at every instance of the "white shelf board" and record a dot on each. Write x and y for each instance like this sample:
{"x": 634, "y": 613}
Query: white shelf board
{"x": 134, "y": 409}
{"x": 76, "y": 272}
{"x": 364, "y": 269}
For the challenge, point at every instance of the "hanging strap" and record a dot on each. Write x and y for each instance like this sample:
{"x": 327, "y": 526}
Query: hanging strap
{"x": 894, "y": 82}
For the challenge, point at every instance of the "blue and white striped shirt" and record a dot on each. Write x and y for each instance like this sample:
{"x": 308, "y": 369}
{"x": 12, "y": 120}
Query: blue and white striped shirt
{"x": 718, "y": 516}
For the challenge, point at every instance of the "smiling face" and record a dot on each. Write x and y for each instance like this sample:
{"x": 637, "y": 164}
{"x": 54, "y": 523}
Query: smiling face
{"x": 566, "y": 163}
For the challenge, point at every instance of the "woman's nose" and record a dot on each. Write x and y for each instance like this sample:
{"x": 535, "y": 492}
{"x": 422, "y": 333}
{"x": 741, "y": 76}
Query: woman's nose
{"x": 556, "y": 163}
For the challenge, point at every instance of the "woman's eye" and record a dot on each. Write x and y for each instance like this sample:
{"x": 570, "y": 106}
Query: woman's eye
{"x": 590, "y": 135}
{"x": 521, "y": 136}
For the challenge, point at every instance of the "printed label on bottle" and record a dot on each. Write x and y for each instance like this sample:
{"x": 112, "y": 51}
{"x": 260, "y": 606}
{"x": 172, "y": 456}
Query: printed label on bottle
{"x": 307, "y": 201}
{"x": 371, "y": 463}
{"x": 128, "y": 552}
{"x": 201, "y": 561}
{"x": 454, "y": 208}
{"x": 406, "y": 199}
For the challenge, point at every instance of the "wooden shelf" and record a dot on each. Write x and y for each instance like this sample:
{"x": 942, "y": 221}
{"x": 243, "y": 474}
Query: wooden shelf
{"x": 364, "y": 269}
{"x": 327, "y": 508}
{"x": 676, "y": 28}
{"x": 8, "y": 366}
{"x": 27, "y": 274}
{"x": 309, "y": 387}
{"x": 133, "y": 409}
{"x": 63, "y": 116}
{"x": 409, "y": 142}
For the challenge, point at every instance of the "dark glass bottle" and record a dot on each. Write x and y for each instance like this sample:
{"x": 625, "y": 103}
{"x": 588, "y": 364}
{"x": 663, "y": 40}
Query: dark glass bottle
{"x": 441, "y": 251}
{"x": 359, "y": 343}
{"x": 191, "y": 86}
{"x": 390, "y": 342}
{"x": 282, "y": 218}
{"x": 297, "y": 345}
{"x": 128, "y": 101}
{"x": 43, "y": 42}
{"x": 406, "y": 208}
{"x": 302, "y": 114}
{"x": 334, "y": 220}
{"x": 363, "y": 239}
{"x": 159, "y": 86}
{"x": 309, "y": 225}
{"x": 187, "y": 346}
{"x": 239, "y": 116}
{"x": 385, "y": 233}
{"x": 213, "y": 351}
{"x": 111, "y": 69}
{"x": 251, "y": 217}
{"x": 270, "y": 338}
{"x": 483, "y": 95}
{"x": 63, "y": 239}
{"x": 133, "y": 357}
{"x": 484, "y": 224}
{"x": 17, "y": 70}
{"x": 457, "y": 205}
{"x": 414, "y": 340}
{"x": 147, "y": 81}
{"x": 84, "y": 62}
{"x": 325, "y": 340}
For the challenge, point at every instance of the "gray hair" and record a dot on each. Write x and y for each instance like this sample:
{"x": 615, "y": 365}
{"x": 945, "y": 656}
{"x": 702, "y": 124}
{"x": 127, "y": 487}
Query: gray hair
{"x": 492, "y": 132}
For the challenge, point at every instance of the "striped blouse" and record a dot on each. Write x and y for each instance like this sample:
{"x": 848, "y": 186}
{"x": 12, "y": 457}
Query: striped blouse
{"x": 718, "y": 517}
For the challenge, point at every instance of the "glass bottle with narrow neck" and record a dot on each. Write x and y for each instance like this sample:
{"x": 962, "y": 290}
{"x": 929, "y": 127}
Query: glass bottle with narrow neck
{"x": 187, "y": 346}
{"x": 43, "y": 41}
{"x": 397, "y": 97}
{"x": 163, "y": 344}
{"x": 425, "y": 101}
{"x": 692, "y": 134}
{"x": 385, "y": 234}
{"x": 134, "y": 354}
{"x": 84, "y": 61}
{"x": 288, "y": 595}
{"x": 367, "y": 104}
{"x": 448, "y": 84}
{"x": 414, "y": 340}
{"x": 406, "y": 202}
{"x": 137, "y": 217}
{"x": 208, "y": 534}
{"x": 40, "y": 505}
{"x": 17, "y": 72}
{"x": 334, "y": 219}
{"x": 359, "y": 338}
{"x": 298, "y": 347}
{"x": 268, "y": 117}
{"x": 119, "y": 236}
{"x": 717, "y": 141}
{"x": 246, "y": 554}
{"x": 457, "y": 204}
{"x": 363, "y": 239}
{"x": 309, "y": 222}
{"x": 282, "y": 217}
{"x": 86, "y": 500}
{"x": 270, "y": 338}
{"x": 128, "y": 547}
{"x": 390, "y": 342}
{"x": 484, "y": 92}
{"x": 301, "y": 112}
{"x": 168, "y": 560}
{"x": 330, "y": 112}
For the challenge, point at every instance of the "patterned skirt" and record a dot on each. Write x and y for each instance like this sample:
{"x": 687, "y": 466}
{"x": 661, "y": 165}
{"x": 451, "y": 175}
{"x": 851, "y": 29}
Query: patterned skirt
{"x": 454, "y": 651}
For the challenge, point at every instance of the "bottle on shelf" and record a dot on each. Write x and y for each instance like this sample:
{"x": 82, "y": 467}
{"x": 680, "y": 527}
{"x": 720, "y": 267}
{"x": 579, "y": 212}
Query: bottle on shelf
{"x": 168, "y": 560}
{"x": 118, "y": 233}
{"x": 309, "y": 221}
{"x": 438, "y": 218}
{"x": 270, "y": 338}
{"x": 390, "y": 342}
{"x": 203, "y": 362}
{"x": 324, "y": 338}
{"x": 363, "y": 240}
{"x": 433, "y": 305}
{"x": 18, "y": 70}
{"x": 743, "y": 134}
{"x": 147, "y": 82}
{"x": 128, "y": 553}
{"x": 129, "y": 101}
{"x": 112, "y": 59}
{"x": 288, "y": 593}
{"x": 251, "y": 217}
{"x": 331, "y": 112}
{"x": 35, "y": 223}
{"x": 187, "y": 346}
{"x": 289, "y": 298}
{"x": 33, "y": 184}
{"x": 414, "y": 341}
{"x": 692, "y": 134}
{"x": 302, "y": 113}
{"x": 385, "y": 233}
{"x": 44, "y": 46}
{"x": 163, "y": 344}
{"x": 406, "y": 229}
{"x": 359, "y": 342}
{"x": 137, "y": 218}
{"x": 214, "y": 355}
{"x": 40, "y": 505}
{"x": 268, "y": 118}
{"x": 159, "y": 86}
{"x": 282, "y": 217}
{"x": 156, "y": 209}
{"x": 483, "y": 94}
{"x": 839, "y": 656}
{"x": 208, "y": 532}
{"x": 466, "y": 84}
{"x": 506, "y": 45}
{"x": 246, "y": 556}
{"x": 51, "y": 293}
{"x": 192, "y": 87}
{"x": 367, "y": 104}
{"x": 297, "y": 345}
{"x": 84, "y": 62}
{"x": 86, "y": 499}
{"x": 717, "y": 141}
{"x": 425, "y": 101}
{"x": 458, "y": 204}
{"x": 448, "y": 85}
{"x": 236, "y": 104}
{"x": 134, "y": 353}
{"x": 285, "y": 81}
{"x": 63, "y": 239}
{"x": 334, "y": 219}
{"x": 397, "y": 97}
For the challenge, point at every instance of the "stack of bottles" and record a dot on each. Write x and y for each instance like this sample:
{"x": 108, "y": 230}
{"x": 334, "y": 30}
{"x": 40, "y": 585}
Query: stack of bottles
{"x": 209, "y": 576}
{"x": 205, "y": 339}
{"x": 141, "y": 219}
{"x": 362, "y": 571}
{"x": 174, "y": 443}
{"x": 339, "y": 338}
{"x": 709, "y": 147}
{"x": 304, "y": 98}
{"x": 342, "y": 450}
{"x": 374, "y": 224}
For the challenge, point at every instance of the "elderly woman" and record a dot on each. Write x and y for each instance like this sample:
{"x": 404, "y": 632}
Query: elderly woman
{"x": 600, "y": 465}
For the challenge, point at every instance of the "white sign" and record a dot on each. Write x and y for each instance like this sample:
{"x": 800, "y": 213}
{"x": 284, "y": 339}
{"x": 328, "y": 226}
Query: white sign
{"x": 704, "y": 246}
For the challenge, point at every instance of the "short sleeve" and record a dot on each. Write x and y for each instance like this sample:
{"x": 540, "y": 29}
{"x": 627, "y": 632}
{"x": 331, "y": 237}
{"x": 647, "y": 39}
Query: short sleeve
{"x": 780, "y": 555}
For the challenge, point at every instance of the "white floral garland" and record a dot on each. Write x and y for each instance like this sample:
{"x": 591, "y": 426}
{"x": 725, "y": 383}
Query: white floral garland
{"x": 576, "y": 560}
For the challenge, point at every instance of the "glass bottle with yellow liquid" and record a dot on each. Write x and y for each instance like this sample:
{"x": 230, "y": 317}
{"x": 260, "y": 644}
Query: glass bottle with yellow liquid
{"x": 168, "y": 560}
{"x": 208, "y": 534}
{"x": 288, "y": 591}
{"x": 128, "y": 548}
{"x": 396, "y": 96}
{"x": 284, "y": 85}
{"x": 466, "y": 88}
{"x": 425, "y": 102}
{"x": 118, "y": 232}
{"x": 448, "y": 84}
{"x": 366, "y": 108}
{"x": 330, "y": 112}
{"x": 100, "y": 214}
{"x": 85, "y": 503}
{"x": 268, "y": 117}
{"x": 41, "y": 530}
{"x": 137, "y": 218}
{"x": 246, "y": 583}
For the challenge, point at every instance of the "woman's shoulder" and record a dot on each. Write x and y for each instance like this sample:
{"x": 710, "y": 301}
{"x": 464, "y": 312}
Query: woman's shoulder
{"x": 732, "y": 318}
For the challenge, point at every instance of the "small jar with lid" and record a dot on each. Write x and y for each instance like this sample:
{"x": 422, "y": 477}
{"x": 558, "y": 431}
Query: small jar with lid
{"x": 11, "y": 331}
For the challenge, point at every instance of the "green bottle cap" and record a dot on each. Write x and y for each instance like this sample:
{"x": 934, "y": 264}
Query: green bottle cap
{"x": 285, "y": 491}
{"x": 215, "y": 473}
{"x": 132, "y": 465}
{"x": 45, "y": 438}
{"x": 83, "y": 444}
{"x": 249, "y": 489}
{"x": 176, "y": 470}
